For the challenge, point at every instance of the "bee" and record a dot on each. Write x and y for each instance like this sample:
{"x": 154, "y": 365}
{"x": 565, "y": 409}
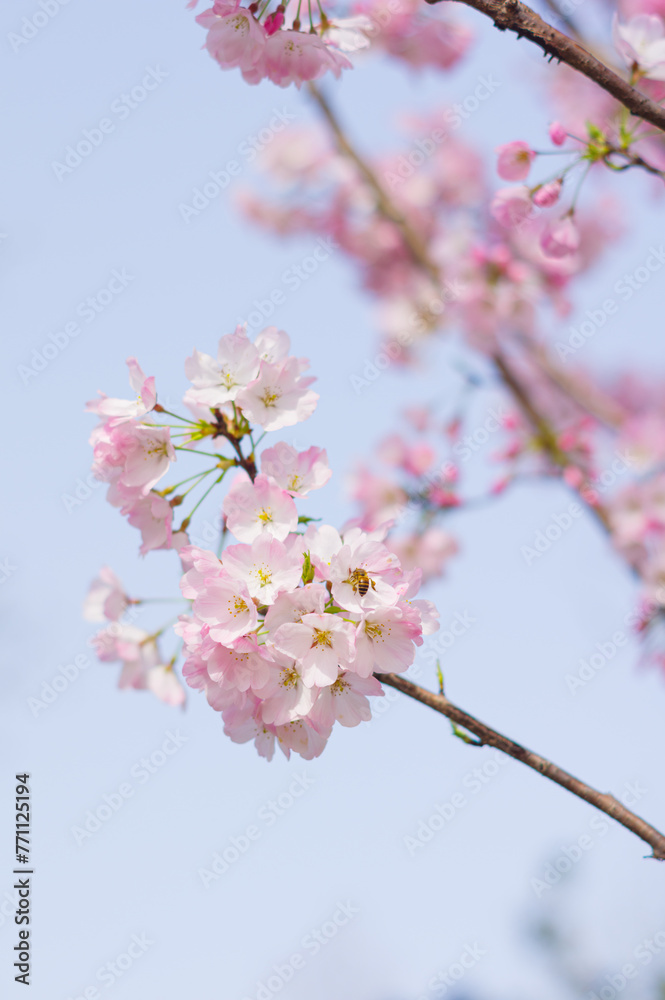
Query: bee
{"x": 360, "y": 582}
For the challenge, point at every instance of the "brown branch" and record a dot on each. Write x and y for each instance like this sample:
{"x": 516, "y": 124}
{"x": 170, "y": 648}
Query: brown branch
{"x": 490, "y": 737}
{"x": 543, "y": 432}
{"x": 588, "y": 398}
{"x": 512, "y": 15}
{"x": 414, "y": 242}
{"x": 566, "y": 19}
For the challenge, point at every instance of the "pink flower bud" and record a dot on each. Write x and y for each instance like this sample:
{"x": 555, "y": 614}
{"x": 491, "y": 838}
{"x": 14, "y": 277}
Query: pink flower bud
{"x": 558, "y": 133}
{"x": 547, "y": 195}
{"x": 274, "y": 21}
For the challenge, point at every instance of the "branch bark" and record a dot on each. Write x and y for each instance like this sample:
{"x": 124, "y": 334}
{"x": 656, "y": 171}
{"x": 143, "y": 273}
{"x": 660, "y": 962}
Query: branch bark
{"x": 512, "y": 15}
{"x": 385, "y": 206}
{"x": 487, "y": 736}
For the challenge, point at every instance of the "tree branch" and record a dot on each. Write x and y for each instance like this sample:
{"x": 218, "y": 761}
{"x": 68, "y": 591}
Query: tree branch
{"x": 417, "y": 247}
{"x": 490, "y": 737}
{"x": 384, "y": 204}
{"x": 512, "y": 15}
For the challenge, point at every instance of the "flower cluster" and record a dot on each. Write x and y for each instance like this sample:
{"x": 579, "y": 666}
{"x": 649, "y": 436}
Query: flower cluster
{"x": 272, "y": 45}
{"x": 286, "y": 627}
{"x": 500, "y": 256}
{"x": 143, "y": 667}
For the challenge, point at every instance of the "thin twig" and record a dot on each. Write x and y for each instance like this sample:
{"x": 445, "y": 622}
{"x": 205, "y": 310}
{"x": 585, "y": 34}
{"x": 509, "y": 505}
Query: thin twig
{"x": 490, "y": 737}
{"x": 512, "y": 15}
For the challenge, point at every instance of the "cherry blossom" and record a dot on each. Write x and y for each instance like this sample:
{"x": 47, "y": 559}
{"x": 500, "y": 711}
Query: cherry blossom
{"x": 345, "y": 701}
{"x": 153, "y": 516}
{"x": 106, "y": 599}
{"x": 266, "y": 566}
{"x": 295, "y": 57}
{"x": 124, "y": 409}
{"x": 385, "y": 640}
{"x": 296, "y": 472}
{"x": 511, "y": 206}
{"x": 278, "y": 397}
{"x": 285, "y": 697}
{"x": 320, "y": 643}
{"x": 142, "y": 665}
{"x": 641, "y": 43}
{"x": 133, "y": 456}
{"x": 221, "y": 603}
{"x": 276, "y": 48}
{"x": 234, "y": 39}
{"x": 217, "y": 382}
{"x": 514, "y": 160}
{"x": 291, "y": 607}
{"x": 242, "y": 667}
{"x": 561, "y": 239}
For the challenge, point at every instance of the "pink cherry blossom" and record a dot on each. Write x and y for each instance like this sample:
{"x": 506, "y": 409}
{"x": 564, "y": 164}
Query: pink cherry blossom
{"x": 198, "y": 565}
{"x": 561, "y": 239}
{"x": 297, "y": 472}
{"x": 106, "y": 599}
{"x": 641, "y": 42}
{"x": 243, "y": 730}
{"x": 234, "y": 39}
{"x": 291, "y": 607}
{"x": 419, "y": 459}
{"x": 430, "y": 550}
{"x": 279, "y": 397}
{"x": 385, "y": 641}
{"x": 408, "y": 34}
{"x": 285, "y": 696}
{"x": 345, "y": 701}
{"x": 162, "y": 681}
{"x": 296, "y": 57}
{"x": 512, "y": 206}
{"x": 266, "y": 566}
{"x": 514, "y": 160}
{"x": 217, "y": 382}
{"x": 259, "y": 508}
{"x": 302, "y": 738}
{"x": 319, "y": 643}
{"x": 142, "y": 666}
{"x": 125, "y": 409}
{"x": 274, "y": 21}
{"x": 148, "y": 455}
{"x": 133, "y": 457}
{"x": 242, "y": 667}
{"x": 360, "y": 567}
{"x": 224, "y": 605}
{"x": 153, "y": 516}
{"x": 349, "y": 34}
{"x": 322, "y": 542}
{"x": 273, "y": 345}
